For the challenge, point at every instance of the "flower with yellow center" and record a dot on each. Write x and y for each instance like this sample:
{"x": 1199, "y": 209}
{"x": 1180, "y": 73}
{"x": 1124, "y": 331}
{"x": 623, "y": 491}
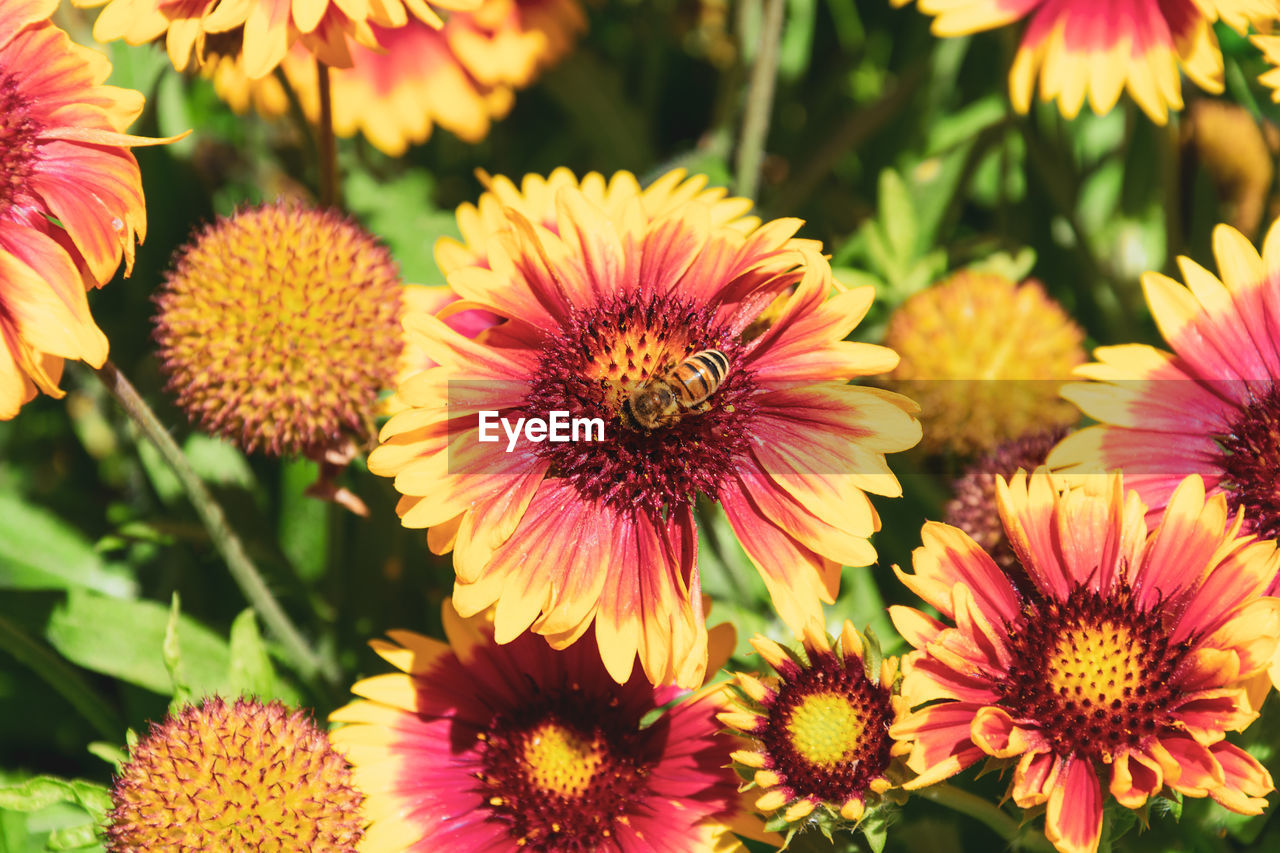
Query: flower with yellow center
{"x": 461, "y": 76}
{"x": 1120, "y": 665}
{"x": 1211, "y": 406}
{"x": 818, "y": 732}
{"x": 605, "y": 295}
{"x": 248, "y": 776}
{"x": 259, "y": 31}
{"x": 71, "y": 205}
{"x": 985, "y": 358}
{"x": 481, "y": 746}
{"x": 278, "y": 327}
{"x": 1090, "y": 50}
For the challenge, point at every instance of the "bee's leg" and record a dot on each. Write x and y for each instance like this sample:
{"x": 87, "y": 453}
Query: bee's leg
{"x": 704, "y": 406}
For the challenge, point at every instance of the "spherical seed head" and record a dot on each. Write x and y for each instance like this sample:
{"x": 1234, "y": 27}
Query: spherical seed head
{"x": 973, "y": 508}
{"x": 248, "y": 776}
{"x": 984, "y": 357}
{"x": 278, "y": 327}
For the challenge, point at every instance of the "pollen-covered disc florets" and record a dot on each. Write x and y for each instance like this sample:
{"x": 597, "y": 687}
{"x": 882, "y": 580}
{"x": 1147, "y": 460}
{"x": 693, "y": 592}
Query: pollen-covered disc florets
{"x": 278, "y": 327}
{"x": 1117, "y": 666}
{"x": 522, "y": 747}
{"x": 819, "y": 731}
{"x": 984, "y": 356}
{"x": 248, "y": 776}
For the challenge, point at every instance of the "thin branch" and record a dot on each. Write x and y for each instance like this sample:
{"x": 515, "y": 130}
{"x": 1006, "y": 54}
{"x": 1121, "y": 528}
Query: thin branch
{"x": 327, "y": 145}
{"x": 755, "y": 118}
{"x": 242, "y": 569}
{"x": 987, "y": 812}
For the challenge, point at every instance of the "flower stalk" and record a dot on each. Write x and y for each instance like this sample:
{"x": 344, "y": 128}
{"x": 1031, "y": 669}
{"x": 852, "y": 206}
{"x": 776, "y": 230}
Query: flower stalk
{"x": 243, "y": 571}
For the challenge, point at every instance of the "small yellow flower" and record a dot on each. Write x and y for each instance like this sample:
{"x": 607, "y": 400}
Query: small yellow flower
{"x": 984, "y": 357}
{"x": 819, "y": 731}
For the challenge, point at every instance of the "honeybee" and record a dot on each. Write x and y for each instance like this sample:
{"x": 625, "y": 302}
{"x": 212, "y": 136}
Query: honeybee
{"x": 661, "y": 402}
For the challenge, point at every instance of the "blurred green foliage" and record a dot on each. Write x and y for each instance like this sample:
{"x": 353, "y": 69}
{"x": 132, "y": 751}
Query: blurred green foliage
{"x": 900, "y": 151}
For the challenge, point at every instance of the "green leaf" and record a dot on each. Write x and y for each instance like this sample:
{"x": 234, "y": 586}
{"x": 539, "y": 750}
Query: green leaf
{"x": 43, "y": 791}
{"x": 218, "y": 462}
{"x": 796, "y": 45}
{"x": 173, "y": 113}
{"x": 108, "y": 752}
{"x": 251, "y": 671}
{"x": 74, "y": 837}
{"x": 40, "y": 551}
{"x": 876, "y": 830}
{"x": 136, "y": 67}
{"x": 304, "y": 531}
{"x": 897, "y": 215}
{"x": 401, "y": 213}
{"x": 960, "y": 127}
{"x": 163, "y": 480}
{"x": 172, "y": 651}
{"x": 125, "y": 639}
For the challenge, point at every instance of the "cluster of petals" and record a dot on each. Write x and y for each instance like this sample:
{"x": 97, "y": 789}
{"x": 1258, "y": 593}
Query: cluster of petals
{"x": 261, "y": 31}
{"x": 479, "y": 746}
{"x": 1167, "y": 625}
{"x": 1206, "y": 408}
{"x": 598, "y": 292}
{"x": 71, "y": 206}
{"x": 1086, "y": 50}
{"x": 461, "y": 76}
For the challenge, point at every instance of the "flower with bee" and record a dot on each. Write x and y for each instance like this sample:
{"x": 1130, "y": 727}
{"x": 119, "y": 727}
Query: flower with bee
{"x": 609, "y": 295}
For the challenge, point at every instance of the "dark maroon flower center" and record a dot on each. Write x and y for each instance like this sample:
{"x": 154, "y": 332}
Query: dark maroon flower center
{"x": 17, "y": 142}
{"x": 1250, "y": 459}
{"x": 561, "y": 773}
{"x": 591, "y": 366}
{"x": 1091, "y": 673}
{"x": 825, "y": 731}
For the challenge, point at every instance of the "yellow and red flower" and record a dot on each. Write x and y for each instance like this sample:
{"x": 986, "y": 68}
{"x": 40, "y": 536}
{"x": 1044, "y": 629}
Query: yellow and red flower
{"x": 1129, "y": 658}
{"x": 1211, "y": 407}
{"x": 71, "y": 205}
{"x": 599, "y": 298}
{"x": 460, "y": 77}
{"x": 1089, "y": 50}
{"x": 481, "y": 746}
{"x": 259, "y": 31}
{"x": 818, "y": 732}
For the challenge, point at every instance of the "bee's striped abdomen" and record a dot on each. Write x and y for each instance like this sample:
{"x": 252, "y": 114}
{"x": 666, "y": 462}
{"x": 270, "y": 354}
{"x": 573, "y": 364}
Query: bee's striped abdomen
{"x": 698, "y": 376}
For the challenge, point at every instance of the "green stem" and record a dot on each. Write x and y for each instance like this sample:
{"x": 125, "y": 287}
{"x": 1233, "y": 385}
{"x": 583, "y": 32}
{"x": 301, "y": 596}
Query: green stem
{"x": 59, "y": 675}
{"x": 242, "y": 569}
{"x": 326, "y": 144}
{"x": 755, "y": 119}
{"x": 981, "y": 809}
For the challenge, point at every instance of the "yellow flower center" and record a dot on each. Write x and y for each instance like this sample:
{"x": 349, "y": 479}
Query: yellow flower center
{"x": 1097, "y": 662}
{"x": 825, "y": 728}
{"x": 560, "y": 760}
{"x": 1093, "y": 671}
